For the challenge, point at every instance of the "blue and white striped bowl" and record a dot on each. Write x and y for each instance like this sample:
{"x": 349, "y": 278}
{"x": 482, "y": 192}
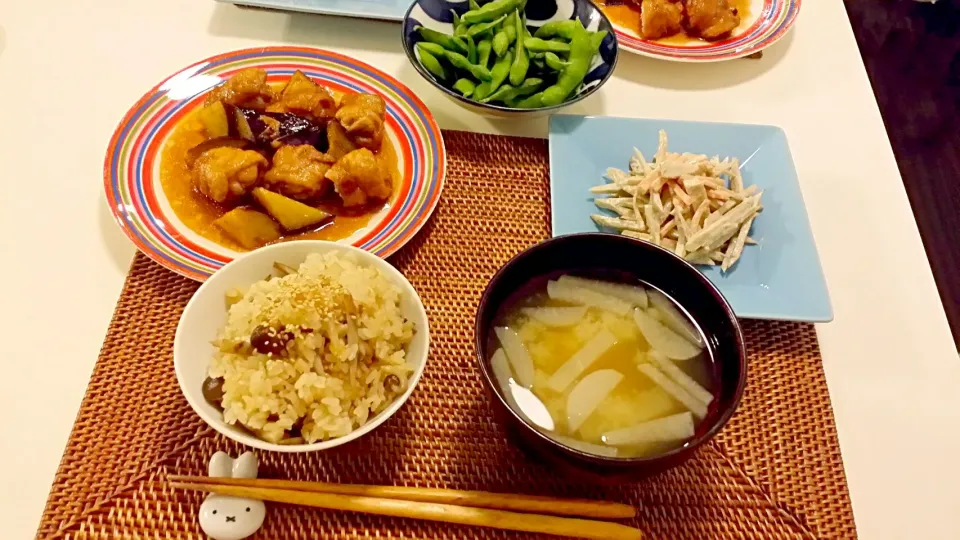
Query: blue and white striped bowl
{"x": 438, "y": 15}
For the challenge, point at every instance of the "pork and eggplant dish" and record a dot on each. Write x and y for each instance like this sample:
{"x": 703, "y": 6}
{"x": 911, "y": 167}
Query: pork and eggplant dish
{"x": 261, "y": 162}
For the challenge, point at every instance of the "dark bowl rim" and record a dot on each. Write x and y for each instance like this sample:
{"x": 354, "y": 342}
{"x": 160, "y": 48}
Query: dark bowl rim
{"x": 429, "y": 76}
{"x": 718, "y": 424}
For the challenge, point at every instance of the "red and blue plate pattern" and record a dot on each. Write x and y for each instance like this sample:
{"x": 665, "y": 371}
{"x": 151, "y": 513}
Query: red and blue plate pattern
{"x": 131, "y": 168}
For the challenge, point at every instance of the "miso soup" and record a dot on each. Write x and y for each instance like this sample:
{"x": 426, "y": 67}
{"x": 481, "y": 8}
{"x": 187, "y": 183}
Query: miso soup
{"x": 608, "y": 368}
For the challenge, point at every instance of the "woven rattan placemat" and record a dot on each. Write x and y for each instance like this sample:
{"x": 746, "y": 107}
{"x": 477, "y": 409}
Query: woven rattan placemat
{"x": 774, "y": 471}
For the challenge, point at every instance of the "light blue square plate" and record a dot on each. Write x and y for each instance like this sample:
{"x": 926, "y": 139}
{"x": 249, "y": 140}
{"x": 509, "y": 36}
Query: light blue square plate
{"x": 780, "y": 278}
{"x": 390, "y": 10}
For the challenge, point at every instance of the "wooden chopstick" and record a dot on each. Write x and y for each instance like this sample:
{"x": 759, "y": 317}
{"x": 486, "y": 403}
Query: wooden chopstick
{"x": 477, "y": 499}
{"x": 447, "y": 513}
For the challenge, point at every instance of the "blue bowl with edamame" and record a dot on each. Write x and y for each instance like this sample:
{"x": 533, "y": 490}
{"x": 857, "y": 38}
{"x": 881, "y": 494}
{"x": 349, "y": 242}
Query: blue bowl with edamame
{"x": 469, "y": 51}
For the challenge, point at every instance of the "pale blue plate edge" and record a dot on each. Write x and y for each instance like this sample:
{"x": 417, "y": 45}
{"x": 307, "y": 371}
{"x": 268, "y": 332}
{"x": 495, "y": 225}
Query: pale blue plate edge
{"x": 826, "y": 317}
{"x": 387, "y": 14}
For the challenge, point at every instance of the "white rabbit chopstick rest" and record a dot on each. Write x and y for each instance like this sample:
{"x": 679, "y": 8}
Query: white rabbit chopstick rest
{"x": 231, "y": 518}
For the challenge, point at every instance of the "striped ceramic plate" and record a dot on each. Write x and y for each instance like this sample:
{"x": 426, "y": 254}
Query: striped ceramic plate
{"x": 131, "y": 168}
{"x": 764, "y": 23}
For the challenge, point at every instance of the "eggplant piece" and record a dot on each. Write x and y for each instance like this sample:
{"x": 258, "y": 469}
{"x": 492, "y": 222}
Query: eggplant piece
{"x": 240, "y": 125}
{"x": 214, "y": 120}
{"x": 293, "y": 133}
{"x": 249, "y": 228}
{"x": 291, "y": 214}
{"x": 275, "y": 129}
{"x": 286, "y": 128}
{"x": 219, "y": 142}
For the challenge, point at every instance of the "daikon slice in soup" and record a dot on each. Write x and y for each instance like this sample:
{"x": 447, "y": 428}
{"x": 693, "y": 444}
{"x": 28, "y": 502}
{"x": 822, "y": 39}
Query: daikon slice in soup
{"x": 611, "y": 369}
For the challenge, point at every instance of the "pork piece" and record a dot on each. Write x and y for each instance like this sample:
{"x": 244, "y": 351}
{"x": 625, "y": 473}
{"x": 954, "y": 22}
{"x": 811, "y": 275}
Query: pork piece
{"x": 225, "y": 174}
{"x": 217, "y": 142}
{"x": 711, "y": 19}
{"x": 660, "y": 18}
{"x": 303, "y": 96}
{"x": 248, "y": 88}
{"x": 360, "y": 176}
{"x": 362, "y": 116}
{"x": 298, "y": 172}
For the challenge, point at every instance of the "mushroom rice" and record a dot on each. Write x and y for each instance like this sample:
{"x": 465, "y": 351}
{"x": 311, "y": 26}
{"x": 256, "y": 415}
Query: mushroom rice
{"x": 314, "y": 354}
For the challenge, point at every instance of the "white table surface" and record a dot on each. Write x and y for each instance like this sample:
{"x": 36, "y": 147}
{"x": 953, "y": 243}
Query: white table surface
{"x": 69, "y": 70}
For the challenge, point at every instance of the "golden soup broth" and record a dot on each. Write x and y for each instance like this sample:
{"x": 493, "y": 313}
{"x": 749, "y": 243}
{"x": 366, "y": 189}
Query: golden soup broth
{"x": 634, "y": 400}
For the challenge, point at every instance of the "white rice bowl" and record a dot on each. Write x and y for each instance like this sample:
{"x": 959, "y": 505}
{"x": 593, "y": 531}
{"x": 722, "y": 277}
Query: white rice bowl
{"x": 355, "y": 340}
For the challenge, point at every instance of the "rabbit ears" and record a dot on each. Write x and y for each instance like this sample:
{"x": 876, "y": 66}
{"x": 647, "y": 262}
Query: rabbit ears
{"x": 224, "y": 466}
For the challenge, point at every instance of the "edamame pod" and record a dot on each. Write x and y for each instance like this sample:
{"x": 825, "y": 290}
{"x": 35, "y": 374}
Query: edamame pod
{"x": 459, "y": 29}
{"x": 504, "y": 93}
{"x": 546, "y": 45}
{"x": 462, "y": 44}
{"x": 446, "y": 41}
{"x": 499, "y": 73}
{"x": 492, "y": 11}
{"x": 465, "y": 86}
{"x": 431, "y": 48}
{"x": 564, "y": 29}
{"x": 533, "y": 102}
{"x": 482, "y": 28}
{"x": 507, "y": 93}
{"x": 554, "y": 62}
{"x": 581, "y": 54}
{"x": 460, "y": 61}
{"x": 521, "y": 62}
{"x": 506, "y": 36}
{"x": 484, "y": 48}
{"x": 529, "y": 86}
{"x": 430, "y": 63}
{"x": 471, "y": 49}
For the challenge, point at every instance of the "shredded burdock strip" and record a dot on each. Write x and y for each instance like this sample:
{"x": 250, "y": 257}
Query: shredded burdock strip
{"x": 692, "y": 204}
{"x": 702, "y": 211}
{"x": 616, "y": 223}
{"x": 736, "y": 180}
{"x": 735, "y": 248}
{"x": 653, "y": 222}
{"x": 625, "y": 212}
{"x": 638, "y": 235}
{"x": 681, "y": 243}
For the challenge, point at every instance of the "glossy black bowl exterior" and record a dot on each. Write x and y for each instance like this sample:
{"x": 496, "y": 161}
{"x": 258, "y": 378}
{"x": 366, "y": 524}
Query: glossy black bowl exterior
{"x": 615, "y": 257}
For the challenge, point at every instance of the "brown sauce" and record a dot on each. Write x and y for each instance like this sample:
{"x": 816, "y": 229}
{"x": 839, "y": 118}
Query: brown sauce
{"x": 198, "y": 212}
{"x": 626, "y": 14}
